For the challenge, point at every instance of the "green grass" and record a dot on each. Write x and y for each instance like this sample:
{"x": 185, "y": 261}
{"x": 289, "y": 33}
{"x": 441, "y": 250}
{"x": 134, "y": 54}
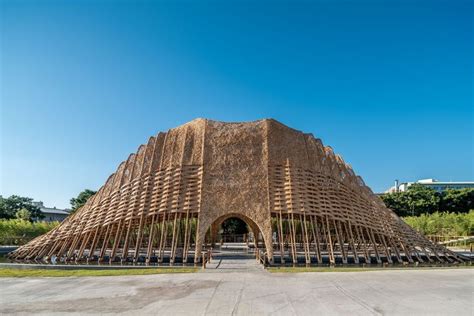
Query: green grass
{"x": 352, "y": 269}
{"x": 21, "y": 273}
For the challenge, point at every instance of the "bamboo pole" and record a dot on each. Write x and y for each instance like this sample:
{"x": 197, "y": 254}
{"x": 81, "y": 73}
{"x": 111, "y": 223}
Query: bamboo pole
{"x": 316, "y": 238}
{"x": 94, "y": 243}
{"x": 150, "y": 239}
{"x": 352, "y": 243}
{"x": 117, "y": 239}
{"x": 331, "y": 251}
{"x": 306, "y": 240}
{"x": 372, "y": 239}
{"x": 104, "y": 244}
{"x": 281, "y": 237}
{"x": 293, "y": 239}
{"x": 164, "y": 233}
{"x": 340, "y": 241}
{"x": 360, "y": 233}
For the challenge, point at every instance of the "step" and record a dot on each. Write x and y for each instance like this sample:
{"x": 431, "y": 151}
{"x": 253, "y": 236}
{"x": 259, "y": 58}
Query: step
{"x": 233, "y": 265}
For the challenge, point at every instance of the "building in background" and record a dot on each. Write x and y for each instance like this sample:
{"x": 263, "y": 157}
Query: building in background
{"x": 52, "y": 214}
{"x": 434, "y": 184}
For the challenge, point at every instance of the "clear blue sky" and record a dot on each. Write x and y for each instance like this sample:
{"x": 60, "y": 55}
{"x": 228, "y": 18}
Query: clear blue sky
{"x": 387, "y": 84}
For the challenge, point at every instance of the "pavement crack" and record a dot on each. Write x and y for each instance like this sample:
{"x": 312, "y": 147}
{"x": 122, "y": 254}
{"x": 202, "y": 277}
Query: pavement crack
{"x": 355, "y": 299}
{"x": 239, "y": 298}
{"x": 212, "y": 297}
{"x": 291, "y": 304}
{"x": 283, "y": 306}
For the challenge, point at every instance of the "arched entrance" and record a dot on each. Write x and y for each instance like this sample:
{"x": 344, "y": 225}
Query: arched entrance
{"x": 234, "y": 235}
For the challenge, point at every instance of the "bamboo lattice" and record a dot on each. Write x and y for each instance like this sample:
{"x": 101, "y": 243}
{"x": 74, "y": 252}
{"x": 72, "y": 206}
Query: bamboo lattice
{"x": 296, "y": 194}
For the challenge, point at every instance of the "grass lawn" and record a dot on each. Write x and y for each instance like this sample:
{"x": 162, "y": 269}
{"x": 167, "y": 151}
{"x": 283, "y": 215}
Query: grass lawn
{"x": 353, "y": 269}
{"x": 20, "y": 273}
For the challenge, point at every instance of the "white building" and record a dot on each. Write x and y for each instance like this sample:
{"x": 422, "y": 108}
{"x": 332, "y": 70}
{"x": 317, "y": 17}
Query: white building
{"x": 52, "y": 214}
{"x": 434, "y": 184}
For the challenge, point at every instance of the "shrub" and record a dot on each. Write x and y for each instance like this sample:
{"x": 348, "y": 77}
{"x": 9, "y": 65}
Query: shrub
{"x": 23, "y": 214}
{"x": 19, "y": 232}
{"x": 445, "y": 224}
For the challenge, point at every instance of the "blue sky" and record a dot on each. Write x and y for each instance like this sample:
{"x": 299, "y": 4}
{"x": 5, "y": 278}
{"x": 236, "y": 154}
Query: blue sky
{"x": 387, "y": 84}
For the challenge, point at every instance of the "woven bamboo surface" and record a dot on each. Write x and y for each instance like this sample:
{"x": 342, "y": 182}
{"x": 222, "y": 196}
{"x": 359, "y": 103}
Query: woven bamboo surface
{"x": 301, "y": 201}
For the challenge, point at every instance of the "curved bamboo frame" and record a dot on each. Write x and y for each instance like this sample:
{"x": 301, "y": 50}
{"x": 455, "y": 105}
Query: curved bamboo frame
{"x": 307, "y": 203}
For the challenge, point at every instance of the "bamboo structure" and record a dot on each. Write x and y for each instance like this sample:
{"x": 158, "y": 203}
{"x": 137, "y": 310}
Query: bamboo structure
{"x": 305, "y": 203}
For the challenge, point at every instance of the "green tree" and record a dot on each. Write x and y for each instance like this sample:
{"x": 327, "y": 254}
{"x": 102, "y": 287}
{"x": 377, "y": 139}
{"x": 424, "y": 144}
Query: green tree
{"x": 421, "y": 199}
{"x": 81, "y": 199}
{"x": 23, "y": 214}
{"x": 234, "y": 226}
{"x": 417, "y": 200}
{"x": 459, "y": 201}
{"x": 11, "y": 205}
{"x": 396, "y": 202}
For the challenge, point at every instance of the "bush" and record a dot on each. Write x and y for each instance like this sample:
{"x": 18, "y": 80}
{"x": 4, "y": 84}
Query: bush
{"x": 19, "y": 232}
{"x": 445, "y": 224}
{"x": 23, "y": 214}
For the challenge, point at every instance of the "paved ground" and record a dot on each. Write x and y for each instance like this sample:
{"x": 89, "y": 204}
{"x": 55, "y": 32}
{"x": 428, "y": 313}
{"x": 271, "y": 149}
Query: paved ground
{"x": 228, "y": 263}
{"x": 248, "y": 291}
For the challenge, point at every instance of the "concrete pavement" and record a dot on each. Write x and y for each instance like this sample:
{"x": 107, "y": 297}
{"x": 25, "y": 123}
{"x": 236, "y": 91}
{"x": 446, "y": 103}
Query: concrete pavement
{"x": 248, "y": 291}
{"x": 229, "y": 263}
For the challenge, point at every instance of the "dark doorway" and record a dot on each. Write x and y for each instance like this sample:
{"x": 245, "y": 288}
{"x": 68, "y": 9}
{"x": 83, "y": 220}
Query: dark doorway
{"x": 233, "y": 230}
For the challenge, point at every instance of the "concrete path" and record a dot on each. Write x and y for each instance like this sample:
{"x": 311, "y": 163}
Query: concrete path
{"x": 234, "y": 264}
{"x": 406, "y": 292}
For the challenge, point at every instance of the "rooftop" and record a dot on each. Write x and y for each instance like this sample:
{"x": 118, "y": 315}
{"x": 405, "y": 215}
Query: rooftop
{"x": 51, "y": 210}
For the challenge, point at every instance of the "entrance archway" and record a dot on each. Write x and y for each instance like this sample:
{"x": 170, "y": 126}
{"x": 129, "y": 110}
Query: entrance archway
{"x": 234, "y": 233}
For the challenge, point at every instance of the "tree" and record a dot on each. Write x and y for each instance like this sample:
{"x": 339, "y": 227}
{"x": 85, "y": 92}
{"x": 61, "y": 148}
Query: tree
{"x": 11, "y": 205}
{"x": 81, "y": 199}
{"x": 459, "y": 201}
{"x": 417, "y": 200}
{"x": 234, "y": 226}
{"x": 396, "y": 202}
{"x": 421, "y": 200}
{"x": 23, "y": 214}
